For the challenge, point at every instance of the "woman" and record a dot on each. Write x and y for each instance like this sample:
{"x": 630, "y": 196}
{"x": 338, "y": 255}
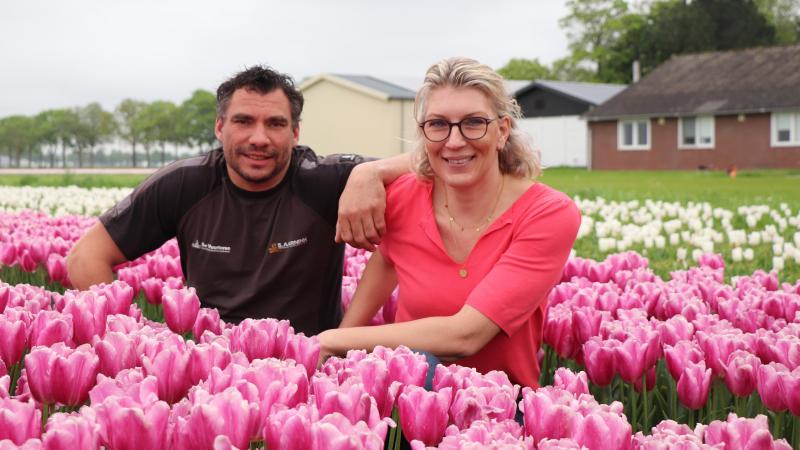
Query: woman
{"x": 473, "y": 242}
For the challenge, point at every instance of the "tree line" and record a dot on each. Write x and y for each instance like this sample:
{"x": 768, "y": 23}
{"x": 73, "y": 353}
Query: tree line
{"x": 606, "y": 36}
{"x": 155, "y": 133}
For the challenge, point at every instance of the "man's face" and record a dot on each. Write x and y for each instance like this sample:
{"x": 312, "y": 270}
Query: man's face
{"x": 257, "y": 137}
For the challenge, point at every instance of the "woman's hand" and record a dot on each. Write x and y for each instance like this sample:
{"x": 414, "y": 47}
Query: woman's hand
{"x": 324, "y": 350}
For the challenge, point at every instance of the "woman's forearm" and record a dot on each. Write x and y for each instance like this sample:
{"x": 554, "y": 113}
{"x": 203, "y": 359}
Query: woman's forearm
{"x": 449, "y": 337}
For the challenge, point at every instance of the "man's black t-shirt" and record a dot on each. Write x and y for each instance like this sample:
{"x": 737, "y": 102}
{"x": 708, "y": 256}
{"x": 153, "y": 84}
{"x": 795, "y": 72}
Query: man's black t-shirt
{"x": 248, "y": 254}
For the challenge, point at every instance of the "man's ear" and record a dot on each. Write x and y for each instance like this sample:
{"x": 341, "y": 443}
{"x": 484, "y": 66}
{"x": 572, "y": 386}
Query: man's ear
{"x": 218, "y": 128}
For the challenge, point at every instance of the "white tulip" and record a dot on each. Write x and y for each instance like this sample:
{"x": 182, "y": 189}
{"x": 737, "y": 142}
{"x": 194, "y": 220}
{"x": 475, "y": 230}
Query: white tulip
{"x": 777, "y": 263}
{"x": 681, "y": 254}
{"x": 736, "y": 254}
{"x": 748, "y": 254}
{"x": 696, "y": 253}
{"x": 660, "y": 241}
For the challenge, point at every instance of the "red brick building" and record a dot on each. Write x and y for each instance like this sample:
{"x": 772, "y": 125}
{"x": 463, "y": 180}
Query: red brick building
{"x": 710, "y": 110}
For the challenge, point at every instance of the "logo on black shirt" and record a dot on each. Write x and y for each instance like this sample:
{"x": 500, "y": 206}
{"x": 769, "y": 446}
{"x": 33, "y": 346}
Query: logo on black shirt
{"x": 211, "y": 248}
{"x": 278, "y": 247}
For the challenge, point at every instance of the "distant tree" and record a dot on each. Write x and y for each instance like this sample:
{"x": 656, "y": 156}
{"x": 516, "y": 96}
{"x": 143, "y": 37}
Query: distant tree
{"x": 95, "y": 127}
{"x": 784, "y": 15}
{"x": 158, "y": 123}
{"x": 196, "y": 120}
{"x": 593, "y": 27}
{"x": 48, "y": 135}
{"x": 677, "y": 27}
{"x": 525, "y": 69}
{"x": 18, "y": 136}
{"x": 66, "y": 124}
{"x": 127, "y": 115}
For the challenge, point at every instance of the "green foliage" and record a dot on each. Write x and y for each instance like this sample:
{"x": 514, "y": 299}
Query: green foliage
{"x": 128, "y": 121}
{"x": 525, "y": 69}
{"x": 607, "y": 36}
{"x": 73, "y": 179}
{"x": 197, "y": 116}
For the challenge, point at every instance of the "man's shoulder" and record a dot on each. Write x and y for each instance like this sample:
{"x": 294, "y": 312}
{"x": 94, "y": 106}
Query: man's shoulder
{"x": 304, "y": 158}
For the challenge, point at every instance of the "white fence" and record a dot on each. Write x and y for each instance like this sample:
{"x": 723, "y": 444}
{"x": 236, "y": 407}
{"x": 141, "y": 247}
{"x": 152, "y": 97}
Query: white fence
{"x": 562, "y": 140}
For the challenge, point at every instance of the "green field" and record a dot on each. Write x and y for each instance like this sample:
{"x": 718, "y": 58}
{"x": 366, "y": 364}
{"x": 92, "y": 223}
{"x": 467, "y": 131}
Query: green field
{"x": 750, "y": 187}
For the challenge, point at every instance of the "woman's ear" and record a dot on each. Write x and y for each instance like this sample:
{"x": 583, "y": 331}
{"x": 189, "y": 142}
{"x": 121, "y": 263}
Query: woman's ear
{"x": 505, "y": 130}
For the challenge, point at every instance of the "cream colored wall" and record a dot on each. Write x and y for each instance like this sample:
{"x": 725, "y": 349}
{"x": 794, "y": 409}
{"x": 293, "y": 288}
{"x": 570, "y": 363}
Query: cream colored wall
{"x": 337, "y": 119}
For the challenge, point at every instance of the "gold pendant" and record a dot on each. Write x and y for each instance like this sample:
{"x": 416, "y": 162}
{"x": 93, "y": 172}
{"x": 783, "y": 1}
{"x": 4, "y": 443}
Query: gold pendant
{"x": 462, "y": 272}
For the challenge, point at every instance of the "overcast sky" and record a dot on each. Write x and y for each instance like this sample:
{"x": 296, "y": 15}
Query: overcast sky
{"x": 59, "y": 53}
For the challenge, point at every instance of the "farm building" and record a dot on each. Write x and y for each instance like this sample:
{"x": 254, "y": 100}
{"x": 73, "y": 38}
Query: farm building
{"x": 552, "y": 116}
{"x": 711, "y": 110}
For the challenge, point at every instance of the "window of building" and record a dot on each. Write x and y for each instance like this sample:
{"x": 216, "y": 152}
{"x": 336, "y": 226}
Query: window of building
{"x": 633, "y": 134}
{"x": 696, "y": 132}
{"x": 786, "y": 129}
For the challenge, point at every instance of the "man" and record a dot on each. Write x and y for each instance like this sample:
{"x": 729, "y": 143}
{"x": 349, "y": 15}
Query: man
{"x": 256, "y": 219}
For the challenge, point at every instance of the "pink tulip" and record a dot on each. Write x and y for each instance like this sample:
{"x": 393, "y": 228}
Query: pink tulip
{"x": 424, "y": 414}
{"x": 39, "y": 373}
{"x": 293, "y": 384}
{"x": 8, "y": 254}
{"x": 604, "y": 431}
{"x": 71, "y": 431}
{"x": 57, "y": 269}
{"x": 630, "y": 359}
{"x": 349, "y": 399}
{"x": 741, "y": 373}
{"x": 483, "y": 434}
{"x": 790, "y": 382}
{"x": 481, "y": 403}
{"x": 739, "y": 433}
{"x": 125, "y": 425}
{"x": 30, "y": 444}
{"x": 693, "y": 385}
{"x": 19, "y": 421}
{"x": 130, "y": 384}
{"x": 675, "y": 329}
{"x": 290, "y": 429}
{"x": 5, "y": 385}
{"x": 544, "y": 418}
{"x": 258, "y": 339}
{"x": 335, "y": 431}
{"x": 227, "y": 413}
{"x": 180, "y": 309}
{"x": 303, "y": 350}
{"x": 132, "y": 278}
{"x": 599, "y": 359}
{"x": 170, "y": 366}
{"x": 404, "y": 365}
{"x": 80, "y": 368}
{"x": 89, "y": 312}
{"x": 679, "y": 356}
{"x": 770, "y": 387}
{"x": 152, "y": 288}
{"x": 718, "y": 347}
{"x": 559, "y": 444}
{"x": 558, "y": 332}
{"x": 14, "y": 340}
{"x": 207, "y": 319}
{"x": 202, "y": 357}
{"x": 373, "y": 372}
{"x": 576, "y": 384}
{"x": 50, "y": 327}
{"x": 119, "y": 295}
{"x": 116, "y": 351}
{"x": 125, "y": 324}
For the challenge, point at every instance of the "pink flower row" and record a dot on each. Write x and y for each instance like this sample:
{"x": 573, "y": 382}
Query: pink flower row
{"x": 618, "y": 318}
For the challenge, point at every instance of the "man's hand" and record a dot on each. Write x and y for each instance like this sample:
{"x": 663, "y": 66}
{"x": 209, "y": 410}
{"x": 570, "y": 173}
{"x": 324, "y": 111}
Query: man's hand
{"x": 361, "y": 208}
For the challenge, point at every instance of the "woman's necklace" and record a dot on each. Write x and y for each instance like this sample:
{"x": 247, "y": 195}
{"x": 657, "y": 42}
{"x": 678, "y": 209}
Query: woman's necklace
{"x": 484, "y": 222}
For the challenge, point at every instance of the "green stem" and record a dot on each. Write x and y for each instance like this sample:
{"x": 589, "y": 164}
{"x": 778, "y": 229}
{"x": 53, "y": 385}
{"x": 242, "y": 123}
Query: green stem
{"x": 645, "y": 408}
{"x": 634, "y": 409}
{"x": 15, "y": 372}
{"x": 45, "y": 414}
{"x": 777, "y": 426}
{"x": 796, "y": 431}
{"x": 690, "y": 416}
{"x": 398, "y": 435}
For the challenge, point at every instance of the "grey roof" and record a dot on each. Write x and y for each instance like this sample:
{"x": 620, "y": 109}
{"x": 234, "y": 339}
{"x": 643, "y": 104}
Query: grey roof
{"x": 392, "y": 90}
{"x": 412, "y": 84}
{"x": 731, "y": 82}
{"x": 592, "y": 93}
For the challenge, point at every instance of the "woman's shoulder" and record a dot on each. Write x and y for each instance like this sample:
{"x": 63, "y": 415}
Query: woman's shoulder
{"x": 541, "y": 200}
{"x": 406, "y": 192}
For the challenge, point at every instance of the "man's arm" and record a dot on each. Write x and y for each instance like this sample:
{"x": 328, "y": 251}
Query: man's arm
{"x": 363, "y": 202}
{"x": 92, "y": 258}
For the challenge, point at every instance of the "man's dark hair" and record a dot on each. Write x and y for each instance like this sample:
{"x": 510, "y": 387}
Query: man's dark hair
{"x": 263, "y": 80}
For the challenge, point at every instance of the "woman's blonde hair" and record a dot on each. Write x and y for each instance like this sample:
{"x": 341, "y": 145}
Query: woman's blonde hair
{"x": 517, "y": 158}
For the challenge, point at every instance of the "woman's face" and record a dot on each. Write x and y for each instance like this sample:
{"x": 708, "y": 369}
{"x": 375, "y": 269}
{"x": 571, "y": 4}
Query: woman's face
{"x": 458, "y": 161}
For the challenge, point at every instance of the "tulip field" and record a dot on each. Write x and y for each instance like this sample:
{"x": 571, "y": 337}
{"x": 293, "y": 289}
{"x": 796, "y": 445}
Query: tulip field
{"x": 676, "y": 324}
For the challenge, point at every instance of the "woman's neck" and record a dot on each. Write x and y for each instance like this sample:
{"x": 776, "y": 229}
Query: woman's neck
{"x": 470, "y": 206}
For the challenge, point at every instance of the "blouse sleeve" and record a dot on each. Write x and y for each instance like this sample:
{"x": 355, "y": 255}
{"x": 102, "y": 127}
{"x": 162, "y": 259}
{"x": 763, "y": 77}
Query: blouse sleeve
{"x": 520, "y": 281}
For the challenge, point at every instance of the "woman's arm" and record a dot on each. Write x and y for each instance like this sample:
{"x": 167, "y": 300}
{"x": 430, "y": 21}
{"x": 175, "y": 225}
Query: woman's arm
{"x": 377, "y": 283}
{"x": 448, "y": 337}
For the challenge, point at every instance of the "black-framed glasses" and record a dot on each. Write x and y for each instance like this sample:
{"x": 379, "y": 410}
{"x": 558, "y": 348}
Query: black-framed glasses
{"x": 471, "y": 128}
